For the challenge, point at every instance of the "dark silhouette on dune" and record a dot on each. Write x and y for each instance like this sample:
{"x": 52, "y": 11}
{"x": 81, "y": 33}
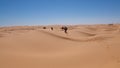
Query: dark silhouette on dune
{"x": 51, "y": 28}
{"x": 64, "y": 28}
{"x": 44, "y": 27}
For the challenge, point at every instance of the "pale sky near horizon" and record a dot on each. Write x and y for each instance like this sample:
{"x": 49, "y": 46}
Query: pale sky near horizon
{"x": 49, "y": 12}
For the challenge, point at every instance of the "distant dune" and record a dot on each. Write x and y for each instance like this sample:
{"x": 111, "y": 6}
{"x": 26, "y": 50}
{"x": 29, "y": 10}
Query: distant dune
{"x": 84, "y": 46}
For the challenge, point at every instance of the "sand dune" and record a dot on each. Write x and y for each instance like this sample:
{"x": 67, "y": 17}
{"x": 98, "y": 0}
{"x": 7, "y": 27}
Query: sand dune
{"x": 85, "y": 46}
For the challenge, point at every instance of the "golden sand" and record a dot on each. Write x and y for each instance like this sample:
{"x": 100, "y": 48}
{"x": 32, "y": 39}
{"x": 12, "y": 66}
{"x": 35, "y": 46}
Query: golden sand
{"x": 85, "y": 46}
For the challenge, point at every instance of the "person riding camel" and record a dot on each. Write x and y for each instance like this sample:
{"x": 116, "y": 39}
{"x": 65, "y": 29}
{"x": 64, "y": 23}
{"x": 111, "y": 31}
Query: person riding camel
{"x": 64, "y": 28}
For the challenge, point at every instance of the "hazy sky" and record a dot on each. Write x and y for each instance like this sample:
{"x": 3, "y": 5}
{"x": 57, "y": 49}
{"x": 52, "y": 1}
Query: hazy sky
{"x": 41, "y": 12}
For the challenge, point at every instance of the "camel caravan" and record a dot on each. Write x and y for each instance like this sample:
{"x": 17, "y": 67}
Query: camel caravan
{"x": 64, "y": 28}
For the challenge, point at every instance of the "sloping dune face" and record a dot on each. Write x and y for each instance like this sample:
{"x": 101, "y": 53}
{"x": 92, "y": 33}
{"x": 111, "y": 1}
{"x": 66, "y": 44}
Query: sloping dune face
{"x": 94, "y": 46}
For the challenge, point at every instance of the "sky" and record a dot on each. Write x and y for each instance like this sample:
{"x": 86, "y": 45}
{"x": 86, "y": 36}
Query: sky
{"x": 49, "y": 12}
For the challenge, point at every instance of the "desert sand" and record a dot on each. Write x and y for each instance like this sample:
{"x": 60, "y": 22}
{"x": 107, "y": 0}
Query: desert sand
{"x": 85, "y": 46}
